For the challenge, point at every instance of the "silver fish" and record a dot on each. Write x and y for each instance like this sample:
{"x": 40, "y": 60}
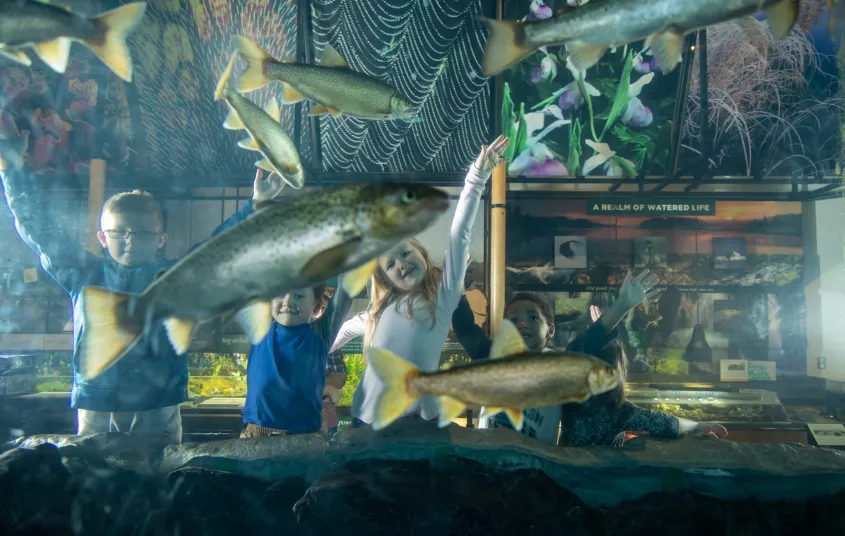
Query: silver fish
{"x": 289, "y": 244}
{"x": 511, "y": 380}
{"x": 588, "y": 31}
{"x": 51, "y": 29}
{"x": 266, "y": 134}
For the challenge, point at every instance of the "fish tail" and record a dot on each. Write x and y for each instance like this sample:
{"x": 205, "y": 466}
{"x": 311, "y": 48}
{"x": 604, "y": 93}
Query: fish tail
{"x": 54, "y": 53}
{"x": 224, "y": 80}
{"x": 505, "y": 45}
{"x": 395, "y": 373}
{"x": 110, "y": 45}
{"x": 253, "y": 77}
{"x": 110, "y": 329}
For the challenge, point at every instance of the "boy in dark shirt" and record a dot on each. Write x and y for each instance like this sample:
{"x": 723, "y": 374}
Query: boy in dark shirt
{"x": 142, "y": 392}
{"x": 286, "y": 373}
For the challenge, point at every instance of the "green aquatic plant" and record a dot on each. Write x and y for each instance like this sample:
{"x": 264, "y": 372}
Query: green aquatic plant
{"x": 573, "y": 162}
{"x": 355, "y": 367}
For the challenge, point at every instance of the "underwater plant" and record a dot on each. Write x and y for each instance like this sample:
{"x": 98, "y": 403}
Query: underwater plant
{"x": 769, "y": 113}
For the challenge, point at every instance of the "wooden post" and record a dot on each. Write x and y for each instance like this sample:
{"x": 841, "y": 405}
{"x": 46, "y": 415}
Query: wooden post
{"x": 498, "y": 189}
{"x": 96, "y": 198}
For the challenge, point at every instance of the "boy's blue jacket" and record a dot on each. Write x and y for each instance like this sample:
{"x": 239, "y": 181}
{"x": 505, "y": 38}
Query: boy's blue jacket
{"x": 286, "y": 372}
{"x": 152, "y": 375}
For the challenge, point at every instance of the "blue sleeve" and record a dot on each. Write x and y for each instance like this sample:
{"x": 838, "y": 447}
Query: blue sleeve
{"x": 237, "y": 217}
{"x": 64, "y": 259}
{"x": 592, "y": 341}
{"x": 470, "y": 334}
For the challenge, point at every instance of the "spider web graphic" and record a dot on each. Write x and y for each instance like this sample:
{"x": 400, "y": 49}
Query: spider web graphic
{"x": 430, "y": 50}
{"x": 179, "y": 53}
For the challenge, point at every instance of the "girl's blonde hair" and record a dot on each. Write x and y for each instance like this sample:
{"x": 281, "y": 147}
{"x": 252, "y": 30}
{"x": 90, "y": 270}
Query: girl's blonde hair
{"x": 383, "y": 293}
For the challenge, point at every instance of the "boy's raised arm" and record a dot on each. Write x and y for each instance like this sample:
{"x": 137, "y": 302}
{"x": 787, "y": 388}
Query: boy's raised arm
{"x": 62, "y": 257}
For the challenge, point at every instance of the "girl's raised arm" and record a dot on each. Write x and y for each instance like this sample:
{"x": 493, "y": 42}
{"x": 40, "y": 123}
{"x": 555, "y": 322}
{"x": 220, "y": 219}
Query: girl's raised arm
{"x": 455, "y": 263}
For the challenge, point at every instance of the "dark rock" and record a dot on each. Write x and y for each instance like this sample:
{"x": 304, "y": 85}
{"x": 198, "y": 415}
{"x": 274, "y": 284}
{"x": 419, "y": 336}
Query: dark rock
{"x": 402, "y": 497}
{"x": 32, "y": 485}
{"x": 280, "y": 497}
{"x": 213, "y": 502}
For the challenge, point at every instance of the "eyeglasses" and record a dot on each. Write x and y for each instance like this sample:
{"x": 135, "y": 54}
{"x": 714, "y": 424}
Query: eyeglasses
{"x": 123, "y": 234}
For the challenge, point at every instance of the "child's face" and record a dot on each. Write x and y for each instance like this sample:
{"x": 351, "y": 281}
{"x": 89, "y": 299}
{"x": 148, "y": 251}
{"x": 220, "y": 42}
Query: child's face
{"x": 295, "y": 308}
{"x": 405, "y": 267}
{"x": 528, "y": 318}
{"x": 131, "y": 239}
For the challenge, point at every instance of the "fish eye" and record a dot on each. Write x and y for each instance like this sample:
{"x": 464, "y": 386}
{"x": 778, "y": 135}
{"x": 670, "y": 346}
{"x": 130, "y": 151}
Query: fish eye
{"x": 408, "y": 197}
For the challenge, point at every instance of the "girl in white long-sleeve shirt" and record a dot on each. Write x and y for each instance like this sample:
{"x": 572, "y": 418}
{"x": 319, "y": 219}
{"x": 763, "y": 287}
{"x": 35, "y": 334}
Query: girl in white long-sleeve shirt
{"x": 412, "y": 302}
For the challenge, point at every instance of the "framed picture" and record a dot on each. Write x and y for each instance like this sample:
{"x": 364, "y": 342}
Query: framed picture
{"x": 733, "y": 370}
{"x": 649, "y": 252}
{"x": 729, "y": 254}
{"x": 571, "y": 252}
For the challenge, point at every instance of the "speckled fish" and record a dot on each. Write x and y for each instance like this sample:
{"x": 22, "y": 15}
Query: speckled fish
{"x": 266, "y": 134}
{"x": 331, "y": 85}
{"x": 51, "y": 29}
{"x": 511, "y": 380}
{"x": 289, "y": 244}
{"x": 588, "y": 31}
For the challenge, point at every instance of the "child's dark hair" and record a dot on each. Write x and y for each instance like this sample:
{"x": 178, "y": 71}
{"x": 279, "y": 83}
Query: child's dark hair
{"x": 134, "y": 202}
{"x": 614, "y": 353}
{"x": 319, "y": 289}
{"x": 542, "y": 303}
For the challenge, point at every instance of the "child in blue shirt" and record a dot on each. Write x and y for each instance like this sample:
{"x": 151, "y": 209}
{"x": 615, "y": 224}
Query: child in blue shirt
{"x": 286, "y": 372}
{"x": 142, "y": 392}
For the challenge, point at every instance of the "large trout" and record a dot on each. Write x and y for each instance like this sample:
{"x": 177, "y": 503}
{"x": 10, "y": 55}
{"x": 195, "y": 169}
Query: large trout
{"x": 289, "y": 244}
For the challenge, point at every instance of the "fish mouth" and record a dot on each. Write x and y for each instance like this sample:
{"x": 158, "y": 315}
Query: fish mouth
{"x": 437, "y": 203}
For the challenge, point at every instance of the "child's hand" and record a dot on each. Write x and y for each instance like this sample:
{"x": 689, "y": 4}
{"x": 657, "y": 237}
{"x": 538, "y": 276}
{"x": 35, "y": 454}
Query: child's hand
{"x": 710, "y": 429}
{"x": 637, "y": 290}
{"x": 266, "y": 189}
{"x": 595, "y": 313}
{"x": 332, "y": 392}
{"x": 491, "y": 156}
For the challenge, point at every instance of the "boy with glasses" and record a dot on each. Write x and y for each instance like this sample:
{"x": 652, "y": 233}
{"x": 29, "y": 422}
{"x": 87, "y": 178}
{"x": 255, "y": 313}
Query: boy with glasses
{"x": 142, "y": 392}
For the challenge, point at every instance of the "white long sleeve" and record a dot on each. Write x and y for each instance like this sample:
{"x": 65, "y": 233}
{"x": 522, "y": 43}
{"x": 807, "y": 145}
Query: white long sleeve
{"x": 351, "y": 329}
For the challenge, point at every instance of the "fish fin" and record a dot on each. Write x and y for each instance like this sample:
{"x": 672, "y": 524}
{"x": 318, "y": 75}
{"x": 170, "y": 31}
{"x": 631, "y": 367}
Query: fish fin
{"x": 233, "y": 121}
{"x": 253, "y": 77}
{"x": 782, "y": 17}
{"x": 291, "y": 96}
{"x": 180, "y": 331}
{"x": 18, "y": 56}
{"x": 110, "y": 44}
{"x": 109, "y": 330}
{"x": 318, "y": 109}
{"x": 507, "y": 342}
{"x": 273, "y": 110}
{"x": 666, "y": 47}
{"x": 505, "y": 45}
{"x": 394, "y": 372}
{"x": 489, "y": 412}
{"x": 334, "y": 111}
{"x": 356, "y": 280}
{"x": 249, "y": 144}
{"x": 332, "y": 58}
{"x": 220, "y": 90}
{"x": 54, "y": 53}
{"x": 255, "y": 319}
{"x": 584, "y": 55}
{"x": 321, "y": 265}
{"x": 450, "y": 409}
{"x": 515, "y": 416}
{"x": 266, "y": 165}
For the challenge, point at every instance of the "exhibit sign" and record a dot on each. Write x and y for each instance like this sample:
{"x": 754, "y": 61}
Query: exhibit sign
{"x": 651, "y": 207}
